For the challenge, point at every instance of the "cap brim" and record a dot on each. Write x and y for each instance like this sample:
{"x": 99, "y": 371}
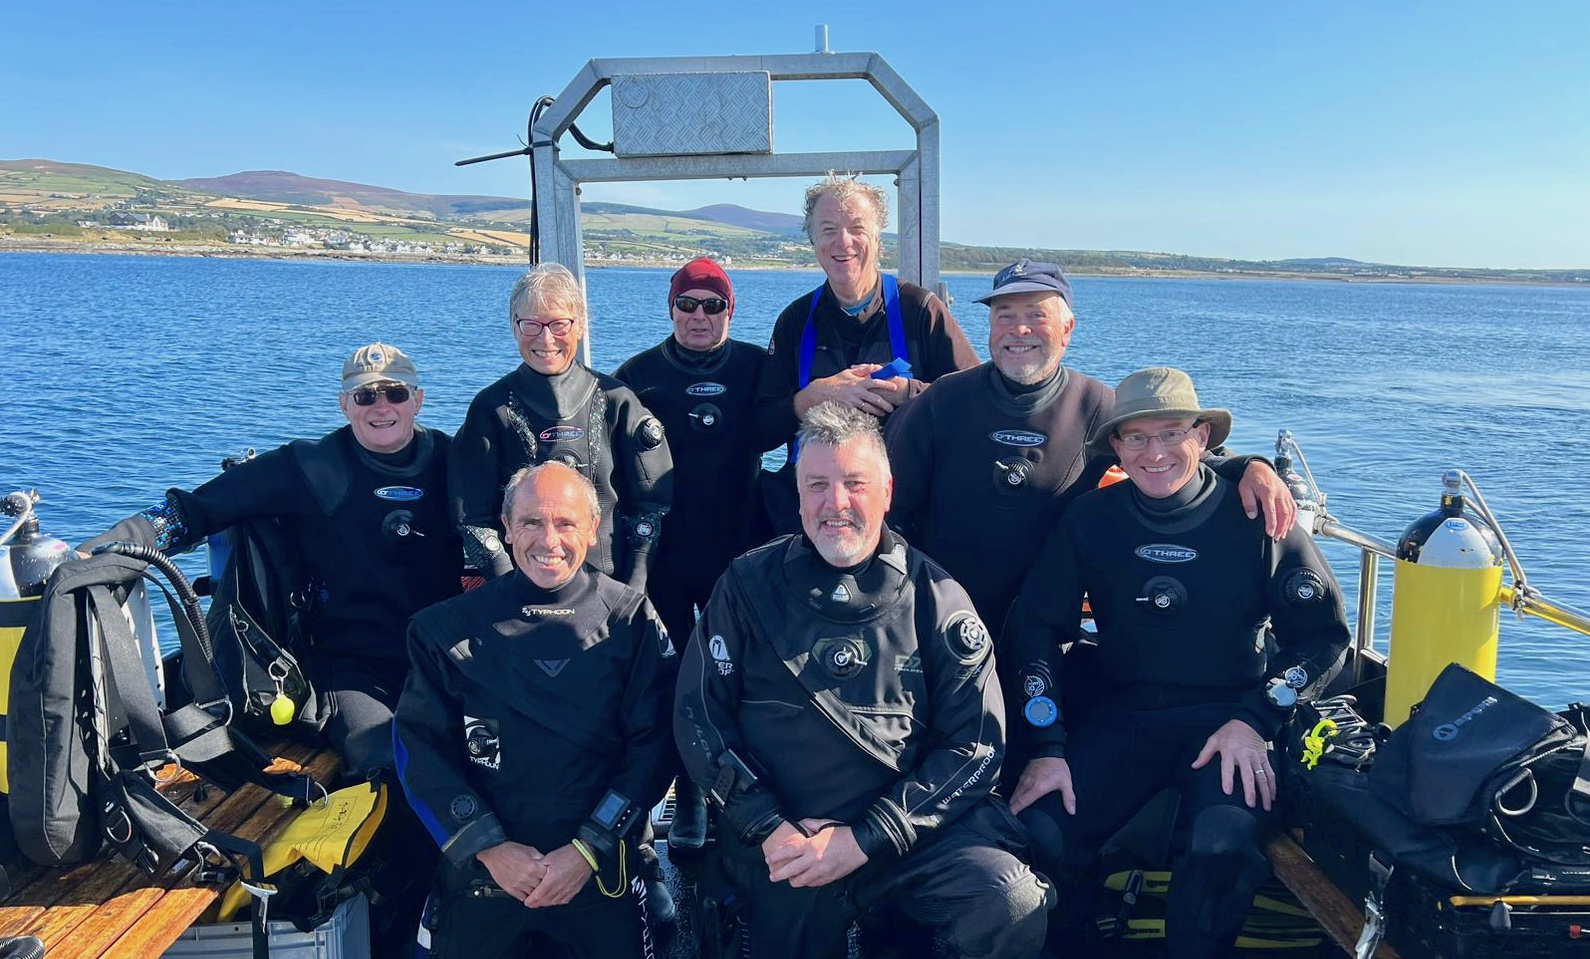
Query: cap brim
{"x": 1024, "y": 287}
{"x": 359, "y": 381}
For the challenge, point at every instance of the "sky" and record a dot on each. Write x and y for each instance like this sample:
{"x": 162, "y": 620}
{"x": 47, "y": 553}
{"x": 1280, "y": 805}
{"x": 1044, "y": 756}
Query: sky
{"x": 1421, "y": 133}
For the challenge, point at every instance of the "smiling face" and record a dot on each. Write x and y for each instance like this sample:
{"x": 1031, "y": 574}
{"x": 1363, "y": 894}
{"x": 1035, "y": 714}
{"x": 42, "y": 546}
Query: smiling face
{"x": 544, "y": 351}
{"x": 383, "y": 426}
{"x": 845, "y": 492}
{"x": 550, "y": 527}
{"x": 698, "y": 330}
{"x": 845, "y": 236}
{"x": 1028, "y": 334}
{"x": 1159, "y": 469}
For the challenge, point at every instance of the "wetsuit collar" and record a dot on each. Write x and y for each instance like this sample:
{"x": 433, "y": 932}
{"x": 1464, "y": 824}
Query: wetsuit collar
{"x": 853, "y": 594}
{"x": 694, "y": 361}
{"x": 1022, "y": 399}
{"x": 530, "y": 594}
{"x": 408, "y": 461}
{"x": 562, "y": 395}
{"x": 867, "y": 304}
{"x": 1187, "y": 506}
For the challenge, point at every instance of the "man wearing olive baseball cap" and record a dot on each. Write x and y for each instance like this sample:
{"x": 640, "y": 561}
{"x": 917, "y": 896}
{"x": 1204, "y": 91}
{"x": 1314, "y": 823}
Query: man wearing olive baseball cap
{"x": 1208, "y": 631}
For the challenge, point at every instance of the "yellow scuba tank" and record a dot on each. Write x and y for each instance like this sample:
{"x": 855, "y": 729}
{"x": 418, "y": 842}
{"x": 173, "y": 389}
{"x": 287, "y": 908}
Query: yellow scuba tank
{"x": 1445, "y": 602}
{"x": 27, "y": 558}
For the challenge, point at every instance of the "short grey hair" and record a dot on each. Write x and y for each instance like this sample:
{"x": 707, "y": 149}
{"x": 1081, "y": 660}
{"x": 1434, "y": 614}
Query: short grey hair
{"x": 530, "y": 473}
{"x": 548, "y": 283}
{"x": 833, "y": 424}
{"x": 843, "y": 186}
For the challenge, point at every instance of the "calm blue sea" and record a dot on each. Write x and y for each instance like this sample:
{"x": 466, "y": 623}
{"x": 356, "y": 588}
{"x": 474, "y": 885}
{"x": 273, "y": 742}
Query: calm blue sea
{"x": 121, "y": 376}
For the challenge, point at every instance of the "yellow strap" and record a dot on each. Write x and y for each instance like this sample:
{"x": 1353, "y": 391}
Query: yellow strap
{"x": 584, "y": 850}
{"x": 1314, "y": 742}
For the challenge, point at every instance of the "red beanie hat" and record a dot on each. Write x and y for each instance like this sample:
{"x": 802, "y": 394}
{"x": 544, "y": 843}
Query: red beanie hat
{"x": 702, "y": 274}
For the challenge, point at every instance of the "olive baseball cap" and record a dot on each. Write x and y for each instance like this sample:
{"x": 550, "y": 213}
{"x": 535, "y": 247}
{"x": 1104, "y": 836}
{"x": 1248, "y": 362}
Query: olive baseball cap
{"x": 378, "y": 363}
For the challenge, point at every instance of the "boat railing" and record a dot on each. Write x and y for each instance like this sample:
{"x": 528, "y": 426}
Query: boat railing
{"x": 1519, "y": 595}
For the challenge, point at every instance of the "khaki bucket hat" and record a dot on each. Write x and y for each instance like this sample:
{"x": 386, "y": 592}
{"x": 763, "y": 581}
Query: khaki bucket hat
{"x": 1155, "y": 392}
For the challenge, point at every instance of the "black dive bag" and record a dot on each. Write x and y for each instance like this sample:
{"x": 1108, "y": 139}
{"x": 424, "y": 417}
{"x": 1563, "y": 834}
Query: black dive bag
{"x": 258, "y": 609}
{"x": 88, "y": 739}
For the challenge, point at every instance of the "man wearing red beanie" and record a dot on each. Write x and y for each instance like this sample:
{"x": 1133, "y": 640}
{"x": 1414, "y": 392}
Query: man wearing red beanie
{"x": 700, "y": 384}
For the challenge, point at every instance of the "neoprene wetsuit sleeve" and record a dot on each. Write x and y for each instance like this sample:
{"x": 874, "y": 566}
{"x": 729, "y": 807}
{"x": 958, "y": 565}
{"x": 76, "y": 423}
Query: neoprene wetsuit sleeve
{"x": 966, "y": 728}
{"x": 1232, "y": 467}
{"x": 427, "y": 728}
{"x": 910, "y": 439}
{"x": 947, "y": 349}
{"x": 647, "y": 712}
{"x": 474, "y": 493}
{"x": 1309, "y": 619}
{"x": 773, "y": 419}
{"x": 644, "y": 481}
{"x": 706, "y": 730}
{"x": 1046, "y": 615}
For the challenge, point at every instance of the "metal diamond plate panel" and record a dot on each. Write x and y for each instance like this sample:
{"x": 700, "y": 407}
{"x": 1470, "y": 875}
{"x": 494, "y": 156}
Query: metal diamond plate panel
{"x": 684, "y": 114}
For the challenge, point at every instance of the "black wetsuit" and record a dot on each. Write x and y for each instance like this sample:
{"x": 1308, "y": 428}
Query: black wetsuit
{"x": 523, "y": 709}
{"x": 586, "y": 419}
{"x": 934, "y": 342}
{"x": 983, "y": 466}
{"x": 338, "y": 502}
{"x": 704, "y": 403}
{"x": 1196, "y": 610}
{"x": 865, "y": 696}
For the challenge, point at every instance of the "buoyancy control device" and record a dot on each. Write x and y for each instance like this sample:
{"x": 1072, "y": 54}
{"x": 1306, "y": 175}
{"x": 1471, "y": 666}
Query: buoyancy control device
{"x": 89, "y": 740}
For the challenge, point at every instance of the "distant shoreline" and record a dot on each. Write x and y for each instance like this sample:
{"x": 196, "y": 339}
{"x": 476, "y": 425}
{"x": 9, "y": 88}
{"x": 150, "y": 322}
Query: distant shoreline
{"x": 15, "y": 244}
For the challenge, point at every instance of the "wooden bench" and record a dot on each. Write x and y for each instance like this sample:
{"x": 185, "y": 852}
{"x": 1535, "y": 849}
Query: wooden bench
{"x": 1340, "y": 917}
{"x": 107, "y": 908}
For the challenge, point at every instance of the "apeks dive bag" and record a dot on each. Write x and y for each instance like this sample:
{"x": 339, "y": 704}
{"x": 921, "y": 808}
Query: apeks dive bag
{"x": 88, "y": 740}
{"x": 1475, "y": 757}
{"x": 256, "y": 622}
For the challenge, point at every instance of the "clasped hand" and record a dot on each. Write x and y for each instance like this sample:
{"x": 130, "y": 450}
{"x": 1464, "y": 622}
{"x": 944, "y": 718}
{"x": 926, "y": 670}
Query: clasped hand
{"x": 817, "y": 853}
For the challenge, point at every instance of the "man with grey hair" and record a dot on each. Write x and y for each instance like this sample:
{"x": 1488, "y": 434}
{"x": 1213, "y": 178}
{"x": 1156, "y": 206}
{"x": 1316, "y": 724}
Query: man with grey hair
{"x": 1006, "y": 442}
{"x": 836, "y": 343}
{"x": 839, "y": 702}
{"x": 532, "y": 738}
{"x": 554, "y": 408}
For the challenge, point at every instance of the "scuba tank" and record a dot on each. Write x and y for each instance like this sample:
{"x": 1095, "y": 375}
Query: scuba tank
{"x": 30, "y": 555}
{"x": 1446, "y": 599}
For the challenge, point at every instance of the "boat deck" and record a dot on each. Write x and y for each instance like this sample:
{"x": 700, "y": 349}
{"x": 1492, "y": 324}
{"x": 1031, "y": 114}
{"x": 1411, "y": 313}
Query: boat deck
{"x": 108, "y": 908}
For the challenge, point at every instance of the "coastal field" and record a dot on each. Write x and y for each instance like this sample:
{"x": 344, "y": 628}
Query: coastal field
{"x": 47, "y": 205}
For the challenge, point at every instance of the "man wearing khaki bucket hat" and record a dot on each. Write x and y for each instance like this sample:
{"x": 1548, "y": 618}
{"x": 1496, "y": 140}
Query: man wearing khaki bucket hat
{"x": 1208, "y": 631}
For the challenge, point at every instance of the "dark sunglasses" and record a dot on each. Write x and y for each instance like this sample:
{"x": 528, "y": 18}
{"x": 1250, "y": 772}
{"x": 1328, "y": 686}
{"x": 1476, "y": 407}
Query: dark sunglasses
{"x": 712, "y": 305}
{"x": 367, "y": 395}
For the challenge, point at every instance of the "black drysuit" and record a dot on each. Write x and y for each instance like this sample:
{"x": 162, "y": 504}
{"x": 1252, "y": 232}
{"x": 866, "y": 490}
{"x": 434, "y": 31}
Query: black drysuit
{"x": 374, "y": 532}
{"x": 704, "y": 402}
{"x": 865, "y": 696}
{"x": 586, "y": 419}
{"x": 978, "y": 445}
{"x": 524, "y": 707}
{"x": 1196, "y": 610}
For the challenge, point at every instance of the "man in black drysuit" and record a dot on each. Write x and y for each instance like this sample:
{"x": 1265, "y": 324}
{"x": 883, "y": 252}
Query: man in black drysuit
{"x": 1006, "y": 442}
{"x": 700, "y": 384}
{"x": 1208, "y": 631}
{"x": 839, "y": 700}
{"x": 366, "y": 508}
{"x": 552, "y": 407}
{"x": 532, "y": 738}
{"x": 828, "y": 344}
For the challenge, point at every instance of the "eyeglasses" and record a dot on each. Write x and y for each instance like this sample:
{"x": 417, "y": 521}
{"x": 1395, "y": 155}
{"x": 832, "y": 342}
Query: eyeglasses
{"x": 712, "y": 305}
{"x": 1139, "y": 441}
{"x": 367, "y": 395}
{"x": 530, "y": 326}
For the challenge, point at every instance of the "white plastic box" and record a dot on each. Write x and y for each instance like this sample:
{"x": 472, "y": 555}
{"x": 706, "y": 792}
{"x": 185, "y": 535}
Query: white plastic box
{"x": 345, "y": 936}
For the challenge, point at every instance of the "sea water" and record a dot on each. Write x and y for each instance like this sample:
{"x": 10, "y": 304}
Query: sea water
{"x": 121, "y": 376}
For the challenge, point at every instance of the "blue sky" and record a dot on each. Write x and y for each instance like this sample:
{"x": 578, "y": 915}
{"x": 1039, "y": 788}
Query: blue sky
{"x": 1451, "y": 133}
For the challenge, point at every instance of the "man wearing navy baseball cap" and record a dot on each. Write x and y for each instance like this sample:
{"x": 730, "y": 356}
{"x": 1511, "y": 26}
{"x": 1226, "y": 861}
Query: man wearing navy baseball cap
{"x": 1007, "y": 442}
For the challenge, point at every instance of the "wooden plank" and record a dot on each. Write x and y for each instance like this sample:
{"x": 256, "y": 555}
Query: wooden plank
{"x": 108, "y": 908}
{"x": 1341, "y": 919}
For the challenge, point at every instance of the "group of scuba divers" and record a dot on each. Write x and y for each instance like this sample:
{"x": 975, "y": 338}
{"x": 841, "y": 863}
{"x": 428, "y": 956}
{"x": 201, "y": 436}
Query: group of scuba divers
{"x": 571, "y": 611}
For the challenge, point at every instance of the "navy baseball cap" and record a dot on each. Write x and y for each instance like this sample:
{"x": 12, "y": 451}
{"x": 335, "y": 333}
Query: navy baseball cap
{"x": 1025, "y": 276}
